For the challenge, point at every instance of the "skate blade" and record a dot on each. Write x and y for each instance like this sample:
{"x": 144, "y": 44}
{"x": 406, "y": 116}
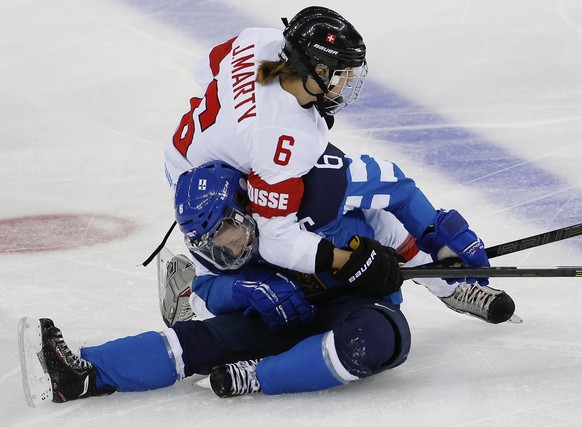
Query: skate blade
{"x": 204, "y": 382}
{"x": 162, "y": 260}
{"x": 515, "y": 319}
{"x": 36, "y": 383}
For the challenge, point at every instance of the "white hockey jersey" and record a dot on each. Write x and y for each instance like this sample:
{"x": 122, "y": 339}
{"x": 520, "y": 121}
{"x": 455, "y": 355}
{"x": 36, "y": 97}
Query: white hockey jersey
{"x": 262, "y": 131}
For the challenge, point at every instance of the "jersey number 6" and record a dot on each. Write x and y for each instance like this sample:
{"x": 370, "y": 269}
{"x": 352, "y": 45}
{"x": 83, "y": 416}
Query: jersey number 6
{"x": 185, "y": 132}
{"x": 283, "y": 154}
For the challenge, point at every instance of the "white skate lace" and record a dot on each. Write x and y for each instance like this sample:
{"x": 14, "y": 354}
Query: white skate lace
{"x": 472, "y": 298}
{"x": 68, "y": 356}
{"x": 244, "y": 377}
{"x": 184, "y": 310}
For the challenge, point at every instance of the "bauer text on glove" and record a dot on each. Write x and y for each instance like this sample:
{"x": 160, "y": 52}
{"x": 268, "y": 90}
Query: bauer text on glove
{"x": 372, "y": 270}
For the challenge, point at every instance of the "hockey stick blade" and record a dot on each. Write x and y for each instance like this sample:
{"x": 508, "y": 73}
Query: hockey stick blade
{"x": 461, "y": 272}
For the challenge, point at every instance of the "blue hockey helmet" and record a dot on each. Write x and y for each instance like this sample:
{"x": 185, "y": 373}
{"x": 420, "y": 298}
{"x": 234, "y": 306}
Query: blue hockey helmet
{"x": 211, "y": 206}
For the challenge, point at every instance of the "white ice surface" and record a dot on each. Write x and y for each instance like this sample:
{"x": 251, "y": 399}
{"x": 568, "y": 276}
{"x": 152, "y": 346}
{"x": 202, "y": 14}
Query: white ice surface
{"x": 91, "y": 91}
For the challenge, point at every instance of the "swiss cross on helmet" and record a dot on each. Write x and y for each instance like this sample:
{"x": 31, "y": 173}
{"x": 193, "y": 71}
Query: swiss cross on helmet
{"x": 209, "y": 203}
{"x": 318, "y": 36}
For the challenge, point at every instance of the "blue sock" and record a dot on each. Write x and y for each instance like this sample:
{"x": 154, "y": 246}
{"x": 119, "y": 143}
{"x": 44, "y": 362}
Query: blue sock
{"x": 302, "y": 368}
{"x": 138, "y": 363}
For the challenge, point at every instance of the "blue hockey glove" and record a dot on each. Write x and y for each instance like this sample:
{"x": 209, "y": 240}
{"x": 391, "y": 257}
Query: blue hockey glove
{"x": 279, "y": 301}
{"x": 451, "y": 237}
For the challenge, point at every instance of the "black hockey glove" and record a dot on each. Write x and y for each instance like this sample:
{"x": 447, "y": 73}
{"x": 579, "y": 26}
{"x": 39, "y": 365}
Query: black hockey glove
{"x": 372, "y": 269}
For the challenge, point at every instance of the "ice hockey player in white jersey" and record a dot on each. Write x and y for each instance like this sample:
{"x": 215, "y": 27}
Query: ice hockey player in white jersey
{"x": 269, "y": 97}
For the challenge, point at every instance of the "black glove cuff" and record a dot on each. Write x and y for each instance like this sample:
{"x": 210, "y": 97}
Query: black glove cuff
{"x": 324, "y": 256}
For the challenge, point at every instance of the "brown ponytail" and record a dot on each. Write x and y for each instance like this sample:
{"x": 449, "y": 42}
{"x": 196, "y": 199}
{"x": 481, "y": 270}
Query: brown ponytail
{"x": 269, "y": 70}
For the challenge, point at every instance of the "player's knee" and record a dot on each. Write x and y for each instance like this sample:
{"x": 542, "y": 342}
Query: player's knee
{"x": 364, "y": 342}
{"x": 201, "y": 350}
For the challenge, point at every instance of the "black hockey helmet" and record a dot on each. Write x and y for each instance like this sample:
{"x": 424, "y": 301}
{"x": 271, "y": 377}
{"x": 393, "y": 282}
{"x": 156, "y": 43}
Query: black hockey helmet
{"x": 319, "y": 36}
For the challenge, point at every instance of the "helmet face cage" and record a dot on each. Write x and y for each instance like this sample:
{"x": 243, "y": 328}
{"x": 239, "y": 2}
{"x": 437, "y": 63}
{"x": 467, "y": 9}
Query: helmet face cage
{"x": 344, "y": 87}
{"x": 230, "y": 244}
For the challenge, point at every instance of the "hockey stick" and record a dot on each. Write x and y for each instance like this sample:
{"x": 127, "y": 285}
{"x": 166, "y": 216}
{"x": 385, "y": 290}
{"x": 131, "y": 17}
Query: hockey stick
{"x": 533, "y": 241}
{"x": 442, "y": 269}
{"x": 518, "y": 245}
{"x": 461, "y": 272}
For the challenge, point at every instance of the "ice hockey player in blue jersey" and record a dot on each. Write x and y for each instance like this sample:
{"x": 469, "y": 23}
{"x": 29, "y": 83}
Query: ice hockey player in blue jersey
{"x": 338, "y": 205}
{"x": 294, "y": 362}
{"x": 287, "y": 323}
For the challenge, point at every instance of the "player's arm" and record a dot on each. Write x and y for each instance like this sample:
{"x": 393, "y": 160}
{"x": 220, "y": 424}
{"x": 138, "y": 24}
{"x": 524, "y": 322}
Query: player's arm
{"x": 379, "y": 184}
{"x": 441, "y": 233}
{"x": 284, "y": 243}
{"x": 255, "y": 288}
{"x": 276, "y": 189}
{"x": 213, "y": 295}
{"x": 278, "y": 299}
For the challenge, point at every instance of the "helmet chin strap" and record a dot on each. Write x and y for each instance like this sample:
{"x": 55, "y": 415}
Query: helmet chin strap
{"x": 311, "y": 69}
{"x": 320, "y": 107}
{"x": 304, "y": 79}
{"x": 320, "y": 103}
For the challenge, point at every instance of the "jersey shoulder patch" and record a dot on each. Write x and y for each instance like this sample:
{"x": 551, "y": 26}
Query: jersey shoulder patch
{"x": 274, "y": 200}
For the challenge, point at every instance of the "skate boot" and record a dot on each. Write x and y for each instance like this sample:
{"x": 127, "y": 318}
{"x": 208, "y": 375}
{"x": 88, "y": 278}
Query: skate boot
{"x": 175, "y": 275}
{"x": 486, "y": 303}
{"x": 71, "y": 377}
{"x": 235, "y": 379}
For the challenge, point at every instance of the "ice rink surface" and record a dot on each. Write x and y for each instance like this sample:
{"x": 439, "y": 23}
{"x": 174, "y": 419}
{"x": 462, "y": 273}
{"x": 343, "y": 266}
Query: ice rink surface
{"x": 479, "y": 102}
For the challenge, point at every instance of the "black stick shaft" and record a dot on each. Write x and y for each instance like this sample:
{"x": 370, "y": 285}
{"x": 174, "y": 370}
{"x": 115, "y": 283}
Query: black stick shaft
{"x": 533, "y": 241}
{"x": 462, "y": 272}
{"x": 519, "y": 244}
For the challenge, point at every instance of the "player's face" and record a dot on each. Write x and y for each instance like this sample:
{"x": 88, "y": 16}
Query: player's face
{"x": 344, "y": 87}
{"x": 230, "y": 244}
{"x": 339, "y": 81}
{"x": 233, "y": 238}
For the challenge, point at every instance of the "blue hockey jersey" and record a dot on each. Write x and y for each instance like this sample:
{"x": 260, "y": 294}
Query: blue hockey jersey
{"x": 338, "y": 192}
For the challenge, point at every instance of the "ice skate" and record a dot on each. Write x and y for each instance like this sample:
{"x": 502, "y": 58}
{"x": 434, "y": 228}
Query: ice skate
{"x": 235, "y": 379}
{"x": 175, "y": 275}
{"x": 50, "y": 370}
{"x": 486, "y": 303}
{"x": 35, "y": 381}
